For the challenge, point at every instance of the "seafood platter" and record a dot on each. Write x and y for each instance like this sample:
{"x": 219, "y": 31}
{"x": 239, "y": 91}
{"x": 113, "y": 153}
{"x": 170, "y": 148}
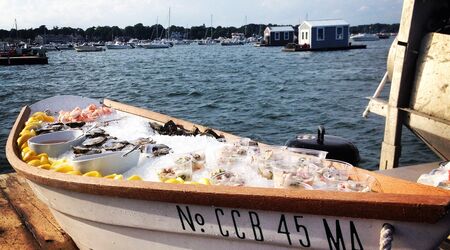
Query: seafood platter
{"x": 115, "y": 175}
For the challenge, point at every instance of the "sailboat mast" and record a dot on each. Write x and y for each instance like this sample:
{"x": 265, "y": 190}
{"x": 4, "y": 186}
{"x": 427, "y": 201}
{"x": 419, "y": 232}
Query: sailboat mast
{"x": 168, "y": 28}
{"x": 17, "y": 31}
{"x": 157, "y": 28}
{"x": 245, "y": 27}
{"x": 211, "y": 27}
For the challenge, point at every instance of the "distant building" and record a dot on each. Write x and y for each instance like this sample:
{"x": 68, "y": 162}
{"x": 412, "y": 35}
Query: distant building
{"x": 278, "y": 35}
{"x": 321, "y": 34}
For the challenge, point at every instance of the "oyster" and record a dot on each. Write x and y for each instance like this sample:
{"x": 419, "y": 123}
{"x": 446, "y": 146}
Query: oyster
{"x": 212, "y": 133}
{"x": 198, "y": 161}
{"x": 181, "y": 171}
{"x": 96, "y": 141}
{"x": 143, "y": 141}
{"x": 156, "y": 126}
{"x": 96, "y": 132}
{"x": 116, "y": 146}
{"x": 51, "y": 127}
{"x": 226, "y": 178}
{"x": 75, "y": 124}
{"x": 80, "y": 150}
{"x": 160, "y": 149}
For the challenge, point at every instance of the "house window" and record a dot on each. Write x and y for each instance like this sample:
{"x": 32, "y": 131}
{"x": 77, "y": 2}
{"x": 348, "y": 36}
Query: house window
{"x": 303, "y": 35}
{"x": 306, "y": 35}
{"x": 277, "y": 36}
{"x": 320, "y": 34}
{"x": 339, "y": 33}
{"x": 286, "y": 35}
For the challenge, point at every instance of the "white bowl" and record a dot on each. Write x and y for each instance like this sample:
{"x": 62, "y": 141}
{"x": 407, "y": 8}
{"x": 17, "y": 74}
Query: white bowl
{"x": 106, "y": 163}
{"x": 56, "y": 143}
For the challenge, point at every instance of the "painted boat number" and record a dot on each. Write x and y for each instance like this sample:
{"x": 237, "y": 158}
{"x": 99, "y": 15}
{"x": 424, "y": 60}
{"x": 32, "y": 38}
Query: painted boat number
{"x": 282, "y": 228}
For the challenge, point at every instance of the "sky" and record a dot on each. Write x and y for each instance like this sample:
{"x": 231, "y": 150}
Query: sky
{"x": 88, "y": 13}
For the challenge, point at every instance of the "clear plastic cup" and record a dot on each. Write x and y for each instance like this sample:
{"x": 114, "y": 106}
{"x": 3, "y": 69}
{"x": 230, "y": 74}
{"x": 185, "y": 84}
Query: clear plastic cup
{"x": 292, "y": 177}
{"x": 180, "y": 166}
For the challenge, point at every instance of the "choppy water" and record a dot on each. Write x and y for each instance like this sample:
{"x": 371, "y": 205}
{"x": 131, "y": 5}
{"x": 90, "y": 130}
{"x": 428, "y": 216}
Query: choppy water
{"x": 259, "y": 93}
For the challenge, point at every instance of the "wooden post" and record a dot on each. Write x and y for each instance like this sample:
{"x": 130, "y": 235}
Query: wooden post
{"x": 413, "y": 27}
{"x": 391, "y": 146}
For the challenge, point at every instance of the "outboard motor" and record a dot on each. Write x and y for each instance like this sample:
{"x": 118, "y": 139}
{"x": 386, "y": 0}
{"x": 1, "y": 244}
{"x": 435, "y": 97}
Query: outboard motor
{"x": 338, "y": 148}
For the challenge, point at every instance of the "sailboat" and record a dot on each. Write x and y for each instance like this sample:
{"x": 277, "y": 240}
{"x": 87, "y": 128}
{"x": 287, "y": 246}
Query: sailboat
{"x": 208, "y": 40}
{"x": 156, "y": 44}
{"x": 236, "y": 38}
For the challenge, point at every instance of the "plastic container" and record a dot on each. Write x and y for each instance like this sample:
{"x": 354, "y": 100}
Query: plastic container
{"x": 180, "y": 166}
{"x": 293, "y": 177}
{"x": 106, "y": 163}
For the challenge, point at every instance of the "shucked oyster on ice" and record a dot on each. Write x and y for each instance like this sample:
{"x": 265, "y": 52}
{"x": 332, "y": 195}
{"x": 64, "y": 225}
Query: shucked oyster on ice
{"x": 293, "y": 177}
{"x": 198, "y": 160}
{"x": 182, "y": 167}
{"x": 96, "y": 141}
{"x": 96, "y": 132}
{"x": 226, "y": 178}
{"x": 80, "y": 150}
{"x": 158, "y": 149}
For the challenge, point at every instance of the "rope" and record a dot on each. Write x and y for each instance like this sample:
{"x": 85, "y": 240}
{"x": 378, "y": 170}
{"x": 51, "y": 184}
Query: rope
{"x": 386, "y": 236}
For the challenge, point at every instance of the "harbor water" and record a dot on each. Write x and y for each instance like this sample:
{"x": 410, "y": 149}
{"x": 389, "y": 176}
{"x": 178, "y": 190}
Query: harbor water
{"x": 261, "y": 93}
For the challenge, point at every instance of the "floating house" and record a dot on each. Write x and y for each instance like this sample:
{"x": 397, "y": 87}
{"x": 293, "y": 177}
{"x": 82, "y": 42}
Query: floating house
{"x": 323, "y": 34}
{"x": 278, "y": 35}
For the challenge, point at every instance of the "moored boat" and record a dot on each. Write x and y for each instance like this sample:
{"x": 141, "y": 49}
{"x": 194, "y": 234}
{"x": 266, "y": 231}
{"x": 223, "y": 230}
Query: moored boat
{"x": 156, "y": 45}
{"x": 383, "y": 35}
{"x": 88, "y": 48}
{"x": 115, "y": 214}
{"x": 118, "y": 45}
{"x": 364, "y": 37}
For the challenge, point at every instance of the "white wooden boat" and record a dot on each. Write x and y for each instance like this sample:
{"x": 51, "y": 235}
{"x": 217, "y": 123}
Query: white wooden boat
{"x": 100, "y": 213}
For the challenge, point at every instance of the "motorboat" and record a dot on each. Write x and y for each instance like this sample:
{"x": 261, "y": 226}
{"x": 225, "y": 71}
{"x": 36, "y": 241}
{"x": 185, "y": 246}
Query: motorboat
{"x": 231, "y": 42}
{"x": 181, "y": 42}
{"x": 236, "y": 39}
{"x": 207, "y": 41}
{"x": 383, "y": 35}
{"x": 156, "y": 45}
{"x": 88, "y": 48}
{"x": 118, "y": 45}
{"x": 364, "y": 37}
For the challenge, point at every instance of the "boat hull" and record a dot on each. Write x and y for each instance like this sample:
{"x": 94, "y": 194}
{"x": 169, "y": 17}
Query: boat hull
{"x": 114, "y": 46}
{"x": 99, "y": 222}
{"x": 156, "y": 46}
{"x": 88, "y": 49}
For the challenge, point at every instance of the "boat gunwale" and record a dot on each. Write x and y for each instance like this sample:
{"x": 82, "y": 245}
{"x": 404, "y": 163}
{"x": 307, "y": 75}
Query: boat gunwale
{"x": 423, "y": 207}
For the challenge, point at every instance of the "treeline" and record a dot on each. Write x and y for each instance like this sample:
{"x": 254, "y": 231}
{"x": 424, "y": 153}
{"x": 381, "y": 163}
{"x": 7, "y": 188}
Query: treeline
{"x": 375, "y": 28}
{"x": 139, "y": 31}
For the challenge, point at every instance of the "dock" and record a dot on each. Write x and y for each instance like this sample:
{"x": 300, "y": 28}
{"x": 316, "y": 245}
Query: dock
{"x": 27, "y": 223}
{"x": 300, "y": 48}
{"x": 21, "y": 60}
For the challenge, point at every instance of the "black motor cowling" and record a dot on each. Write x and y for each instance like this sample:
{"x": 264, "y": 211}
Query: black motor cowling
{"x": 338, "y": 148}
